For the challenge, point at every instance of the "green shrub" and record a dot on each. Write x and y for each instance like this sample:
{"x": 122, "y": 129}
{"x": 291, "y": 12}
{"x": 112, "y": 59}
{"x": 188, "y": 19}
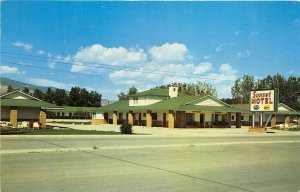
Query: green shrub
{"x": 126, "y": 128}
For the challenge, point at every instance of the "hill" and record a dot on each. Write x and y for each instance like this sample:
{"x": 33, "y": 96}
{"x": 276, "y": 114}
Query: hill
{"x": 5, "y": 82}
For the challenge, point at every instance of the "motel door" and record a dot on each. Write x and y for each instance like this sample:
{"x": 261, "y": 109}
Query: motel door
{"x": 164, "y": 120}
{"x": 202, "y": 119}
{"x": 106, "y": 117}
{"x": 140, "y": 118}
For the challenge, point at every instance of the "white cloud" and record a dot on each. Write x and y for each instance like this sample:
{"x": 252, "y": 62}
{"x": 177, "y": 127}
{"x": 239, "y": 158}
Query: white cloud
{"x": 6, "y": 69}
{"x": 25, "y": 46}
{"x": 40, "y": 52}
{"x": 203, "y": 68}
{"x": 89, "y": 59}
{"x": 237, "y": 33}
{"x": 175, "y": 52}
{"x": 50, "y": 83}
{"x": 226, "y": 69}
{"x": 52, "y": 62}
{"x": 113, "y": 56}
{"x": 242, "y": 54}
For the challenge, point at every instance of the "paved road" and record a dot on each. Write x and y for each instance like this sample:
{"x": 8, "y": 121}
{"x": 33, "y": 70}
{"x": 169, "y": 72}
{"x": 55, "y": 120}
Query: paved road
{"x": 120, "y": 163}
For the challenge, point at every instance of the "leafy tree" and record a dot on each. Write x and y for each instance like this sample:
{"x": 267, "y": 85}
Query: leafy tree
{"x": 60, "y": 97}
{"x": 49, "y": 96}
{"x": 38, "y": 94}
{"x": 241, "y": 89}
{"x": 95, "y": 99}
{"x": 122, "y": 96}
{"x": 132, "y": 91}
{"x": 25, "y": 90}
{"x": 198, "y": 88}
{"x": 74, "y": 96}
{"x": 83, "y": 98}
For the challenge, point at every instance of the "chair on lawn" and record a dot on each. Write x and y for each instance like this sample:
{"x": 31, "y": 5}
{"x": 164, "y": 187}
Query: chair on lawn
{"x": 25, "y": 124}
{"x": 36, "y": 125}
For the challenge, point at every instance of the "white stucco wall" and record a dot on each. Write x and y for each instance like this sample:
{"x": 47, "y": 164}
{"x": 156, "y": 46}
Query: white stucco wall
{"x": 209, "y": 102}
{"x": 98, "y": 115}
{"x": 142, "y": 101}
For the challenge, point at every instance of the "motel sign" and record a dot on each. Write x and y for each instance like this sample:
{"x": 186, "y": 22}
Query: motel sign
{"x": 263, "y": 100}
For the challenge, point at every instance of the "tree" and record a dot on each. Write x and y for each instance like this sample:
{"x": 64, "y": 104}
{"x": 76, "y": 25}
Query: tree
{"x": 292, "y": 94}
{"x": 95, "y": 99}
{"x": 49, "y": 96}
{"x": 83, "y": 98}
{"x": 198, "y": 88}
{"x": 60, "y": 97}
{"x": 122, "y": 96}
{"x": 131, "y": 91}
{"x": 25, "y": 90}
{"x": 9, "y": 89}
{"x": 241, "y": 89}
{"x": 38, "y": 94}
{"x": 74, "y": 96}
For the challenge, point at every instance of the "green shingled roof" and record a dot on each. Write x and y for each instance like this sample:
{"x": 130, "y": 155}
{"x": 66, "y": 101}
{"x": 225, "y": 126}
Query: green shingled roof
{"x": 26, "y": 103}
{"x": 176, "y": 103}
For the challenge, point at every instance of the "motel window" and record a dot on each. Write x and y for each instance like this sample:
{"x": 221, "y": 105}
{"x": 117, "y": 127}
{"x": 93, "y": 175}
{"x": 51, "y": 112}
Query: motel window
{"x": 190, "y": 117}
{"x": 154, "y": 116}
{"x": 135, "y": 100}
{"x": 232, "y": 117}
{"x": 63, "y": 114}
{"x": 251, "y": 118}
{"x": 242, "y": 117}
{"x": 120, "y": 116}
{"x": 144, "y": 114}
{"x": 201, "y": 118}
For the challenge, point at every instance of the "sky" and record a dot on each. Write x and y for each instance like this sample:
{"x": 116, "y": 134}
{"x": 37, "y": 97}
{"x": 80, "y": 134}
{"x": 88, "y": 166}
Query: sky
{"x": 111, "y": 46}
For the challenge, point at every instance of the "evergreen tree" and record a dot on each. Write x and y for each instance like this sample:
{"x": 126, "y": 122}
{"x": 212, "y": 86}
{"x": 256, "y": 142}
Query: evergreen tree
{"x": 9, "y": 89}
{"x": 38, "y": 94}
{"x": 60, "y": 97}
{"x": 74, "y": 96}
{"x": 25, "y": 90}
{"x": 49, "y": 96}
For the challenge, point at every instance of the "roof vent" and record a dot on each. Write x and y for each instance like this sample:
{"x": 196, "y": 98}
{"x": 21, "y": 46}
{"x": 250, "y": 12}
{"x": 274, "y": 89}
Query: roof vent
{"x": 173, "y": 92}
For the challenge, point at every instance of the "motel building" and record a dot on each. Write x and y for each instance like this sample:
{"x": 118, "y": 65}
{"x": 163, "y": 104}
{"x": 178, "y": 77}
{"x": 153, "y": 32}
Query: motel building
{"x": 18, "y": 107}
{"x": 168, "y": 108}
{"x": 285, "y": 115}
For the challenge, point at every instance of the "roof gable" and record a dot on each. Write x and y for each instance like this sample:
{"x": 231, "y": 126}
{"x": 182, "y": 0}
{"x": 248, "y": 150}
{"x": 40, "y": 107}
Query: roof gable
{"x": 18, "y": 95}
{"x": 283, "y": 107}
{"x": 208, "y": 101}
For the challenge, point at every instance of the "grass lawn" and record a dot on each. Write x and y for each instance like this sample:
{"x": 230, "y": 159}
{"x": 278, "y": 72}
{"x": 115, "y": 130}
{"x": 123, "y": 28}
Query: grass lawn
{"x": 56, "y": 132}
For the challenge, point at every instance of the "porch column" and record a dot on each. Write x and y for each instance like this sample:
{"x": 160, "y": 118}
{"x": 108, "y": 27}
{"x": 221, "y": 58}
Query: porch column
{"x": 115, "y": 118}
{"x": 238, "y": 120}
{"x": 299, "y": 120}
{"x": 273, "y": 121}
{"x": 229, "y": 119}
{"x": 149, "y": 119}
{"x": 14, "y": 118}
{"x": 130, "y": 118}
{"x": 287, "y": 120}
{"x": 42, "y": 119}
{"x": 171, "y": 119}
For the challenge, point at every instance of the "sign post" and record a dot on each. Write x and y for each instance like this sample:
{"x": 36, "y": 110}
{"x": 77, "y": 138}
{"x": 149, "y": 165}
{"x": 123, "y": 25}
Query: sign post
{"x": 262, "y": 101}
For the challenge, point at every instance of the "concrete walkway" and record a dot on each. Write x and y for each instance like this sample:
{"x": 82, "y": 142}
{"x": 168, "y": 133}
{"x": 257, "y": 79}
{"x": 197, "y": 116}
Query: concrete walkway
{"x": 182, "y": 132}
